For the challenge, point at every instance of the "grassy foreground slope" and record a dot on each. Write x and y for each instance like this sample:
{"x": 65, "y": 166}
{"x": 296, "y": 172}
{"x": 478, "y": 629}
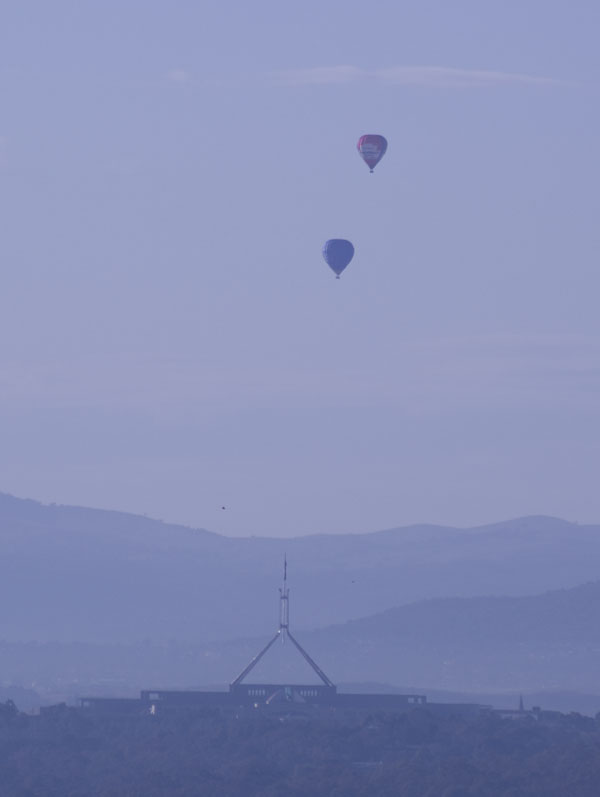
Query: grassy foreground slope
{"x": 418, "y": 754}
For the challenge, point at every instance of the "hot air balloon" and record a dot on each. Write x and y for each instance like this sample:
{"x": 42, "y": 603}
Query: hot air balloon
{"x": 338, "y": 253}
{"x": 371, "y": 149}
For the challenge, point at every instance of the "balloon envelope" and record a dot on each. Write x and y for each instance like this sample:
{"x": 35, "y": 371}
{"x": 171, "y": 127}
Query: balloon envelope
{"x": 338, "y": 253}
{"x": 372, "y": 149}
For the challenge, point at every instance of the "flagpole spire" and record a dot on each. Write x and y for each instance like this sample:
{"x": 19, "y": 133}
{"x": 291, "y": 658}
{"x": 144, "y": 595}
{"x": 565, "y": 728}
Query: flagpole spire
{"x": 284, "y": 632}
{"x": 284, "y": 604}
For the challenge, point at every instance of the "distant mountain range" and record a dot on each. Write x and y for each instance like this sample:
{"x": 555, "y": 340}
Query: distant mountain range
{"x": 543, "y": 642}
{"x": 74, "y": 574}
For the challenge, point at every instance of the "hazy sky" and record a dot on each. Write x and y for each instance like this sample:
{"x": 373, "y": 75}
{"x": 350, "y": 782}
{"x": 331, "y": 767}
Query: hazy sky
{"x": 171, "y": 339}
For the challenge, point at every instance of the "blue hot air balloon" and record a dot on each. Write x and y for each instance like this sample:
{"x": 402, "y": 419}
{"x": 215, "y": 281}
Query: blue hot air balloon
{"x": 338, "y": 253}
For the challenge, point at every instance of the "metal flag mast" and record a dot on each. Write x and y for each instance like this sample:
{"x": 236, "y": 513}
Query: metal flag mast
{"x": 283, "y": 632}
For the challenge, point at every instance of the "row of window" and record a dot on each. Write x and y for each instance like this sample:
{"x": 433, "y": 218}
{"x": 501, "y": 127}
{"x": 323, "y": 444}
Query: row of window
{"x": 252, "y": 692}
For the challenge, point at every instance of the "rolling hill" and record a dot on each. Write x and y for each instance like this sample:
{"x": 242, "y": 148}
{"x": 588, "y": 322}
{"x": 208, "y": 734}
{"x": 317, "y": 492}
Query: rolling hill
{"x": 75, "y": 574}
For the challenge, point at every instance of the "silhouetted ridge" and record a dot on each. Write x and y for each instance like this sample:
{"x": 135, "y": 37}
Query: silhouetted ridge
{"x": 101, "y": 576}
